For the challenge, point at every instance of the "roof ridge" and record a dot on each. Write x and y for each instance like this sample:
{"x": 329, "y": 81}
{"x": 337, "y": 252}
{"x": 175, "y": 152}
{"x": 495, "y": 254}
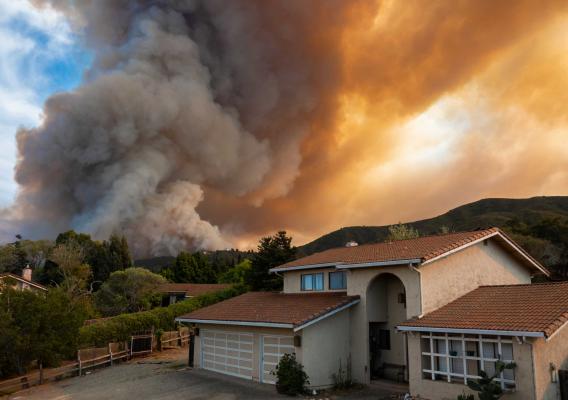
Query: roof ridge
{"x": 497, "y": 229}
{"x": 525, "y": 284}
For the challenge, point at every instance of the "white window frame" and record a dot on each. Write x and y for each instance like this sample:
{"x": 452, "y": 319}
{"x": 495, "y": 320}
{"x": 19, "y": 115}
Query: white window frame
{"x": 313, "y": 275}
{"x": 446, "y": 357}
{"x": 343, "y": 273}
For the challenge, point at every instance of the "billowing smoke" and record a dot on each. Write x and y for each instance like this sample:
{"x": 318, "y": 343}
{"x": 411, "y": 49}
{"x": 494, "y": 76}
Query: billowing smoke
{"x": 181, "y": 96}
{"x": 206, "y": 123}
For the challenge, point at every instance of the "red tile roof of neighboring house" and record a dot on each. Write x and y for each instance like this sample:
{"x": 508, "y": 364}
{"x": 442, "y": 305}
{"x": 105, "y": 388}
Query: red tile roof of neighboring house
{"x": 193, "y": 289}
{"x": 539, "y": 307}
{"x": 22, "y": 280}
{"x": 423, "y": 249}
{"x": 295, "y": 309}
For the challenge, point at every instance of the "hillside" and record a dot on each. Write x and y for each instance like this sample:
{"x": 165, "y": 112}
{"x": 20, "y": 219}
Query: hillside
{"x": 540, "y": 224}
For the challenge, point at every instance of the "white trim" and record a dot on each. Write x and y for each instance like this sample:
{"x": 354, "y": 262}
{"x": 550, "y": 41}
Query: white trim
{"x": 308, "y": 266}
{"x": 237, "y": 323}
{"x": 497, "y": 233}
{"x": 24, "y": 281}
{"x": 329, "y": 314}
{"x": 564, "y": 325}
{"x": 379, "y": 263}
{"x": 472, "y": 331}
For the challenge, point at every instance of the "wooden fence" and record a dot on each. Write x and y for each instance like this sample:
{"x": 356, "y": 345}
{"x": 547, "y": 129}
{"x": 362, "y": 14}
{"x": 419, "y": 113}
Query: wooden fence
{"x": 93, "y": 357}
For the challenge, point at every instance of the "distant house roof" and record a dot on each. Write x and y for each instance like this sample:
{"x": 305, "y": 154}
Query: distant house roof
{"x": 421, "y": 250}
{"x": 192, "y": 289}
{"x": 22, "y": 280}
{"x": 528, "y": 310}
{"x": 283, "y": 310}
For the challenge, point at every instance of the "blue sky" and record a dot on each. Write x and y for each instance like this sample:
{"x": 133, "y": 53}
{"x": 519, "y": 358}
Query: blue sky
{"x": 38, "y": 57}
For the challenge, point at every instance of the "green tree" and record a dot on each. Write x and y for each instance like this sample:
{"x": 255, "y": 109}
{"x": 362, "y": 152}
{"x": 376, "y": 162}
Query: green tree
{"x": 42, "y": 327}
{"x": 402, "y": 231}
{"x": 237, "y": 274}
{"x": 131, "y": 290}
{"x": 272, "y": 252}
{"x": 192, "y": 268}
{"x": 75, "y": 273}
{"x": 103, "y": 257}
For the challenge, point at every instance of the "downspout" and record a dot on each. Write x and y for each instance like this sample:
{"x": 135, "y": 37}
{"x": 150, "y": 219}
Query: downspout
{"x": 415, "y": 269}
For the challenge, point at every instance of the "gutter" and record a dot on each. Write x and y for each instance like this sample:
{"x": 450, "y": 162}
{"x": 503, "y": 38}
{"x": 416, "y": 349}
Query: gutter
{"x": 299, "y": 267}
{"x": 237, "y": 323}
{"x": 470, "y": 331}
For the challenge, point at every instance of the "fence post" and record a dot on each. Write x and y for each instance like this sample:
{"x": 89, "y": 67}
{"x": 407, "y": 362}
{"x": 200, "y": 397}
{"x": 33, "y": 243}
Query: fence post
{"x": 110, "y": 353}
{"x": 79, "y": 361}
{"x": 40, "y": 373}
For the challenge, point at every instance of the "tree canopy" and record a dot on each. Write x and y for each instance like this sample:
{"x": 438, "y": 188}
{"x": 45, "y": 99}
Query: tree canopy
{"x": 38, "y": 326}
{"x": 236, "y": 274}
{"x": 272, "y": 251}
{"x": 402, "y": 231}
{"x": 131, "y": 290}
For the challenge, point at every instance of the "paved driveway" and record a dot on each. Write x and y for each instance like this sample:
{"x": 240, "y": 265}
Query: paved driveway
{"x": 163, "y": 379}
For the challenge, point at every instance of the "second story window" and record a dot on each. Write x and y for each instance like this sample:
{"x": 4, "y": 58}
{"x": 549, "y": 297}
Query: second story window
{"x": 312, "y": 282}
{"x": 337, "y": 280}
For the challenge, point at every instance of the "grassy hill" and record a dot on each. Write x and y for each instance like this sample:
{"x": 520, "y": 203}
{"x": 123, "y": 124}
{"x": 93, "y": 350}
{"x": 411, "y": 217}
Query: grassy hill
{"x": 540, "y": 224}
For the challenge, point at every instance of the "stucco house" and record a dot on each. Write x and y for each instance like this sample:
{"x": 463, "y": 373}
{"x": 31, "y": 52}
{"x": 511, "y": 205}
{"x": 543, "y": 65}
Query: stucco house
{"x": 399, "y": 310}
{"x": 23, "y": 282}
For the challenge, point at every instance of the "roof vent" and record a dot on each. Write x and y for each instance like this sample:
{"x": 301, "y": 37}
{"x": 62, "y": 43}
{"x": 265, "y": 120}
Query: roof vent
{"x": 351, "y": 244}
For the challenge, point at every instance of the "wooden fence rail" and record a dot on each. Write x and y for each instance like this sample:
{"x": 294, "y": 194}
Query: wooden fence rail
{"x": 93, "y": 358}
{"x": 78, "y": 367}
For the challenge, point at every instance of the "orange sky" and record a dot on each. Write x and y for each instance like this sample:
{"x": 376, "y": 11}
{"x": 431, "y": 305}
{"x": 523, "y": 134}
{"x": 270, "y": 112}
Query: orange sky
{"x": 436, "y": 106}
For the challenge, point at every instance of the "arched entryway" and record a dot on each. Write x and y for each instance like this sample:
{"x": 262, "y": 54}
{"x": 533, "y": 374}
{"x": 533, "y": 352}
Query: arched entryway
{"x": 386, "y": 308}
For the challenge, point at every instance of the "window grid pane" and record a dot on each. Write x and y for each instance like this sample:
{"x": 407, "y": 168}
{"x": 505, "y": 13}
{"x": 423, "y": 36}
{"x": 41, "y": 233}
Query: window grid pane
{"x": 337, "y": 280}
{"x": 457, "y": 358}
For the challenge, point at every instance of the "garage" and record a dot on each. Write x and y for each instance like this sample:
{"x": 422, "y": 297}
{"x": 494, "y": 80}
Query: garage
{"x": 230, "y": 353}
{"x": 246, "y": 336}
{"x": 273, "y": 348}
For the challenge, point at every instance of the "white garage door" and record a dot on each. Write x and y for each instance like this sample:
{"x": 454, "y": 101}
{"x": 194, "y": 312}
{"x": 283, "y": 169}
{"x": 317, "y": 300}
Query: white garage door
{"x": 273, "y": 348}
{"x": 230, "y": 353}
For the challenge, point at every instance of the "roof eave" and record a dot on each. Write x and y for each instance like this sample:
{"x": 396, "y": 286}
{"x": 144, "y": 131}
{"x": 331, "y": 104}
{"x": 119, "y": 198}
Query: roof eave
{"x": 493, "y": 332}
{"x": 235, "y": 323}
{"x": 305, "y": 324}
{"x": 531, "y": 261}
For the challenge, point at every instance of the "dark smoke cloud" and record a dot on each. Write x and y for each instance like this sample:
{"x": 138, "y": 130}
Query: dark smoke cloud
{"x": 182, "y": 97}
{"x": 207, "y": 123}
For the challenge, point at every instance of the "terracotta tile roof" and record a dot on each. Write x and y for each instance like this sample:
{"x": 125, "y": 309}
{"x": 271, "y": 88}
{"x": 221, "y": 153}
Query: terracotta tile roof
{"x": 422, "y": 248}
{"x": 192, "y": 289}
{"x": 270, "y": 307}
{"x": 539, "y": 307}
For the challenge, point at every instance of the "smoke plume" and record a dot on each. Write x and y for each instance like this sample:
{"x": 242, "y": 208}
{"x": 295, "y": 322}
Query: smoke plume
{"x": 203, "y": 124}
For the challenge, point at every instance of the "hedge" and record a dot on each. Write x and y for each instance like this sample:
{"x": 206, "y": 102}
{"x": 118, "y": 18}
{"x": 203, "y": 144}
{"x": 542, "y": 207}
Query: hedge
{"x": 121, "y": 327}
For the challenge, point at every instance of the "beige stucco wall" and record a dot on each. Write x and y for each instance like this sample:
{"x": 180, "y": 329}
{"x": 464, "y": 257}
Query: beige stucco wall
{"x": 441, "y": 390}
{"x": 326, "y": 344}
{"x": 554, "y": 351}
{"x": 459, "y": 273}
{"x": 292, "y": 280}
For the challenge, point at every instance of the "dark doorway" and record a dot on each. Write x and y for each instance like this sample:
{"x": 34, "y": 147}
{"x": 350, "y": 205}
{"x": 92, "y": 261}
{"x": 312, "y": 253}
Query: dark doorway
{"x": 563, "y": 378}
{"x": 379, "y": 339}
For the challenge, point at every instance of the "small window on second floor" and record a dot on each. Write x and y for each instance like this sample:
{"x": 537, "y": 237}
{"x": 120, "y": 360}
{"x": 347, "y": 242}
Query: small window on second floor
{"x": 312, "y": 282}
{"x": 337, "y": 280}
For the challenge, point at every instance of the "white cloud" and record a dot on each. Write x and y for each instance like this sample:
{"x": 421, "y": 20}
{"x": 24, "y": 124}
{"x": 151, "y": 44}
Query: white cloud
{"x": 31, "y": 40}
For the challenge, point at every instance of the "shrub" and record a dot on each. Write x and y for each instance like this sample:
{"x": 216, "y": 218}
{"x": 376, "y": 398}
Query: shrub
{"x": 121, "y": 327}
{"x": 486, "y": 386}
{"x": 291, "y": 379}
{"x": 466, "y": 396}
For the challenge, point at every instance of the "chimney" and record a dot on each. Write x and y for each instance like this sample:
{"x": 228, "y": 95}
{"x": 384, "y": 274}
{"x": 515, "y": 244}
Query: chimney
{"x": 351, "y": 244}
{"x": 27, "y": 273}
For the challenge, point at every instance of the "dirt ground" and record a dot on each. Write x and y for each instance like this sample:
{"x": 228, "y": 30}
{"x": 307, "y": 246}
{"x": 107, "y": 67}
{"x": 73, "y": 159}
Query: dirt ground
{"x": 165, "y": 376}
